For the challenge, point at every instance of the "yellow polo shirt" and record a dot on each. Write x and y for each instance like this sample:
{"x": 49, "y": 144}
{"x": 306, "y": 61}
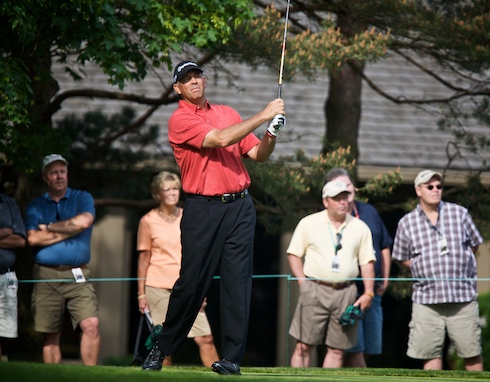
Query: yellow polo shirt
{"x": 315, "y": 238}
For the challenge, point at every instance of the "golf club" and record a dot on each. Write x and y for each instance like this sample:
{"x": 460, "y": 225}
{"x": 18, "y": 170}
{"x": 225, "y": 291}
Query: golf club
{"x": 281, "y": 68}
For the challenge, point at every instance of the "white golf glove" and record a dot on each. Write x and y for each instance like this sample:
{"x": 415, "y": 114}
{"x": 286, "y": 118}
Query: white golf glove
{"x": 276, "y": 125}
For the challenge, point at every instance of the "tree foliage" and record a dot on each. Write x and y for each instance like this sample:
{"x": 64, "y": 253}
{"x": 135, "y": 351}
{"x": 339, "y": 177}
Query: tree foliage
{"x": 290, "y": 187}
{"x": 452, "y": 32}
{"x": 91, "y": 140}
{"x": 447, "y": 40}
{"x": 129, "y": 39}
{"x": 126, "y": 39}
{"x": 308, "y": 52}
{"x": 284, "y": 190}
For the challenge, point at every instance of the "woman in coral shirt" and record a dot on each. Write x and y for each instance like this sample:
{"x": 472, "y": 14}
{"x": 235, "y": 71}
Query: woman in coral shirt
{"x": 159, "y": 260}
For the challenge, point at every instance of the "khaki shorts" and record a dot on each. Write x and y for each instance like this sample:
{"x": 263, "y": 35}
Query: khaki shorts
{"x": 158, "y": 299}
{"x": 429, "y": 324}
{"x": 316, "y": 319}
{"x": 8, "y": 305}
{"x": 49, "y": 299}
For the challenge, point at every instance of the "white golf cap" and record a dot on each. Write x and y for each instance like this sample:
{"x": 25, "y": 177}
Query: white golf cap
{"x": 48, "y": 159}
{"x": 425, "y": 176}
{"x": 333, "y": 188}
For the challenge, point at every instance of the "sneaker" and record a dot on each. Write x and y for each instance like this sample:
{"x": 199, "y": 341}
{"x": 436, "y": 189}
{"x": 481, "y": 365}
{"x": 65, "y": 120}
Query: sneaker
{"x": 154, "y": 360}
{"x": 226, "y": 367}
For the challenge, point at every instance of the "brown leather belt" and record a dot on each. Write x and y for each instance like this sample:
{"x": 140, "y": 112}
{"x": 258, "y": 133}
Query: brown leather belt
{"x": 335, "y": 286}
{"x": 62, "y": 268}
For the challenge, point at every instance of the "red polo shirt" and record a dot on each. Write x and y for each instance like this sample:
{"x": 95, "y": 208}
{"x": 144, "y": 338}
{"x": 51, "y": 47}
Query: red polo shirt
{"x": 212, "y": 171}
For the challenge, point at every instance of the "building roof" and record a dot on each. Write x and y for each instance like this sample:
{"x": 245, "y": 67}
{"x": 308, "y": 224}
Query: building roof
{"x": 391, "y": 135}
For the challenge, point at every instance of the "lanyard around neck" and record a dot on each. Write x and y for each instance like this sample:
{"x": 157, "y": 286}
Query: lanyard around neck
{"x": 440, "y": 220}
{"x": 336, "y": 246}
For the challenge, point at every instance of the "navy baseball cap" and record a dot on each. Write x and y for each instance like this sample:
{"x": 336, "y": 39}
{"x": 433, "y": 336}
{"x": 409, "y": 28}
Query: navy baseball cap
{"x": 183, "y": 67}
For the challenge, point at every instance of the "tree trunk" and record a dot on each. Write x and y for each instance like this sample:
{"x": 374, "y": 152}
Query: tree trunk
{"x": 44, "y": 87}
{"x": 343, "y": 105}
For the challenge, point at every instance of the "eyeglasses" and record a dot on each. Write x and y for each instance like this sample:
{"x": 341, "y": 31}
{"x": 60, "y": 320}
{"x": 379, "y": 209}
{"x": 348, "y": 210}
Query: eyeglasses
{"x": 430, "y": 187}
{"x": 338, "y": 247}
{"x": 189, "y": 77}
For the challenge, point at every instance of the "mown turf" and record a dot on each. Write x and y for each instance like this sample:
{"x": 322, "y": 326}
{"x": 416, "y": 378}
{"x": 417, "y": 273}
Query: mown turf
{"x": 38, "y": 372}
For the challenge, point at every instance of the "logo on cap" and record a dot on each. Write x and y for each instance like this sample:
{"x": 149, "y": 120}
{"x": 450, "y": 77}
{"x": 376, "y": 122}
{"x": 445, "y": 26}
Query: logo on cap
{"x": 183, "y": 67}
{"x": 333, "y": 188}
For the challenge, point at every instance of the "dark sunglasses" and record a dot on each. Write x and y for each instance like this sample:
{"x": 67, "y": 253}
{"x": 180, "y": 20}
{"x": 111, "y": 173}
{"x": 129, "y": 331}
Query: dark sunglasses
{"x": 431, "y": 187}
{"x": 338, "y": 247}
{"x": 189, "y": 77}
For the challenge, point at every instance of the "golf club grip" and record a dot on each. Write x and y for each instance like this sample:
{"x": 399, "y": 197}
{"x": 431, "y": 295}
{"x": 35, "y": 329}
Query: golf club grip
{"x": 279, "y": 91}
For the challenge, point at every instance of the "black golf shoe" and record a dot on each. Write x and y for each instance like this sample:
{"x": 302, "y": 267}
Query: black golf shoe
{"x": 226, "y": 367}
{"x": 154, "y": 360}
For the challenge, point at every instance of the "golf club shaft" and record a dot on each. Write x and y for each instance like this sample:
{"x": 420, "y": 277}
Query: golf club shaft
{"x": 283, "y": 53}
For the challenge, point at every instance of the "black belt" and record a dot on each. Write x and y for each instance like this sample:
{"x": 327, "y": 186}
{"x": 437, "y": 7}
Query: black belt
{"x": 225, "y": 198}
{"x": 63, "y": 268}
{"x": 5, "y": 270}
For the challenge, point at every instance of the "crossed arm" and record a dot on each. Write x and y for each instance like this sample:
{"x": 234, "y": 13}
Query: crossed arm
{"x": 53, "y": 233}
{"x": 8, "y": 239}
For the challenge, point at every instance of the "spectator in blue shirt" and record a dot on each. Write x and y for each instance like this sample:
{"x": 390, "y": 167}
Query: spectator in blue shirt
{"x": 59, "y": 227}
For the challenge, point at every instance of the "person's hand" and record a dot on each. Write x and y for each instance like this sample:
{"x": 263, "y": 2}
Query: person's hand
{"x": 143, "y": 304}
{"x": 273, "y": 109}
{"x": 381, "y": 289}
{"x": 364, "y": 301}
{"x": 276, "y": 125}
{"x": 203, "y": 306}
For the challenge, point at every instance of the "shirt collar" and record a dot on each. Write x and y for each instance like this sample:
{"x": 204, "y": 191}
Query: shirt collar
{"x": 191, "y": 107}
{"x": 439, "y": 207}
{"x": 66, "y": 196}
{"x": 348, "y": 219}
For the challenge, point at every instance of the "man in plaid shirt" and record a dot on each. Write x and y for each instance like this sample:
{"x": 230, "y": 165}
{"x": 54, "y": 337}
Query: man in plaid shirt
{"x": 438, "y": 241}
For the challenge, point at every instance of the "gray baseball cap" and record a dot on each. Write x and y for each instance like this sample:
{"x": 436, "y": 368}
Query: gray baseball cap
{"x": 48, "y": 159}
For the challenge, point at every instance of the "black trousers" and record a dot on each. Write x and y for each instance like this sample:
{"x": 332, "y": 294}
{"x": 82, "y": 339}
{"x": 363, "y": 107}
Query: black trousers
{"x": 214, "y": 234}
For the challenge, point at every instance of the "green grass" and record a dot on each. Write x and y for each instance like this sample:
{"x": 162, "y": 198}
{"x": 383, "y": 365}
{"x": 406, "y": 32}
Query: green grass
{"x": 39, "y": 372}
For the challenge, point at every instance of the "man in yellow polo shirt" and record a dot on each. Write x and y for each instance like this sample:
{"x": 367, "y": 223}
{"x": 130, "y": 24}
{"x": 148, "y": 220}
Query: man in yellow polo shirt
{"x": 326, "y": 253}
